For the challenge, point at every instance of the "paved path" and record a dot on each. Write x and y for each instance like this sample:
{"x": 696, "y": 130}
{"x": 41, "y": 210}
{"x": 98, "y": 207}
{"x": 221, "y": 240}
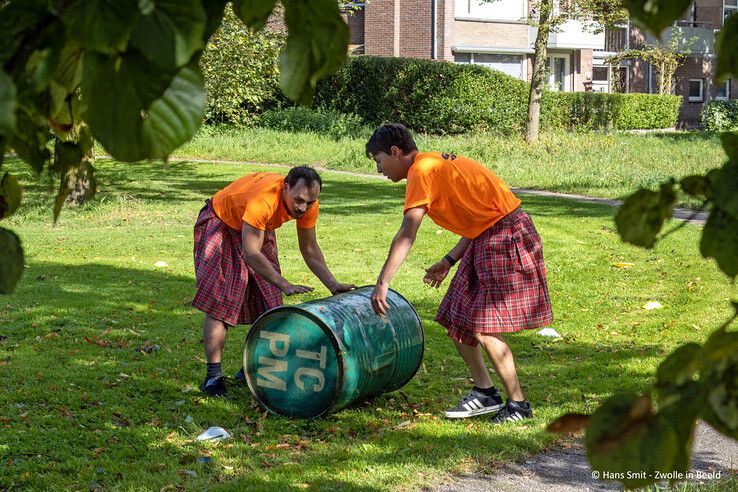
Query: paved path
{"x": 565, "y": 469}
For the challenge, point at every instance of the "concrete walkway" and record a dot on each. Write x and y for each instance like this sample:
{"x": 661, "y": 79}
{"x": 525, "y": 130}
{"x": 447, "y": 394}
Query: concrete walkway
{"x": 565, "y": 469}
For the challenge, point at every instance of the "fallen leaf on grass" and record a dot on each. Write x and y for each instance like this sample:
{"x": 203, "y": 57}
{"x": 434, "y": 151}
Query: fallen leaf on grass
{"x": 167, "y": 487}
{"x": 650, "y": 305}
{"x": 51, "y": 336}
{"x": 187, "y": 388}
{"x": 623, "y": 266}
{"x": 171, "y": 435}
{"x": 98, "y": 451}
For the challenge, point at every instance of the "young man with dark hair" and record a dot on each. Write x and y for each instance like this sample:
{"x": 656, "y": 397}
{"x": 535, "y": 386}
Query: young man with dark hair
{"x": 236, "y": 263}
{"x": 500, "y": 286}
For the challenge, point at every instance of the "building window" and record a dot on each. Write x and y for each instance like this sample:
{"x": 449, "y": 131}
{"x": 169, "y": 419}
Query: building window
{"x": 695, "y": 90}
{"x": 509, "y": 64}
{"x": 730, "y": 7}
{"x": 600, "y": 79}
{"x": 462, "y": 57}
{"x": 722, "y": 91}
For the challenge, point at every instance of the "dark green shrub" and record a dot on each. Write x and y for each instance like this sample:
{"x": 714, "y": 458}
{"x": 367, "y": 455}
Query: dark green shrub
{"x": 241, "y": 71}
{"x": 323, "y": 121}
{"x": 721, "y": 116}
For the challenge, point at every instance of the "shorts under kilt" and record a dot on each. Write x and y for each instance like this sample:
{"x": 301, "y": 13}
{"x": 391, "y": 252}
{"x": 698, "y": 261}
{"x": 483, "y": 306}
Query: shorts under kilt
{"x": 500, "y": 286}
{"x": 227, "y": 288}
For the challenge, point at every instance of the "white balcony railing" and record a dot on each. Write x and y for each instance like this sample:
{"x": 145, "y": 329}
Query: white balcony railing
{"x": 571, "y": 35}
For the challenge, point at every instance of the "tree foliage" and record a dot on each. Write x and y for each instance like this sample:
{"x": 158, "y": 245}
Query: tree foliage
{"x": 127, "y": 73}
{"x": 654, "y": 431}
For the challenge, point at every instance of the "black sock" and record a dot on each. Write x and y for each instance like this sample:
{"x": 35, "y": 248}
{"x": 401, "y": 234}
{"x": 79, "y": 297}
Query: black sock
{"x": 491, "y": 391}
{"x": 214, "y": 370}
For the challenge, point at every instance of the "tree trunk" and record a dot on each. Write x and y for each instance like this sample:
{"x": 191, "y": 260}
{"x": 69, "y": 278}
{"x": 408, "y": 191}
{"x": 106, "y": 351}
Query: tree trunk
{"x": 538, "y": 80}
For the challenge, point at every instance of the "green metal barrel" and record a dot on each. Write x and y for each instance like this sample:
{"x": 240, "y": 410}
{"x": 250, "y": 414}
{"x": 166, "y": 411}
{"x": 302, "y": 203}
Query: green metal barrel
{"x": 322, "y": 355}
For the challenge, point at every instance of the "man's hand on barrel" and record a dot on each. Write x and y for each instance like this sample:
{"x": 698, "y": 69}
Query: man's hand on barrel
{"x": 379, "y": 299}
{"x": 291, "y": 289}
{"x": 337, "y": 288}
{"x": 436, "y": 273}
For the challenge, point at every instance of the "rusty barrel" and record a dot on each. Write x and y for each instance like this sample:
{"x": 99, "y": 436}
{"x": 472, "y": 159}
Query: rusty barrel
{"x": 322, "y": 355}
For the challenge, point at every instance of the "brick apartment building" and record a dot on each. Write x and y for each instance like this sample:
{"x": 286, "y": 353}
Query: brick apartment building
{"x": 497, "y": 34}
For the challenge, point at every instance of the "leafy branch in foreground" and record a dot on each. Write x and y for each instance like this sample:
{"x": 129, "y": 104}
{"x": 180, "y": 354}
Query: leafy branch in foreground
{"x": 126, "y": 73}
{"x": 654, "y": 431}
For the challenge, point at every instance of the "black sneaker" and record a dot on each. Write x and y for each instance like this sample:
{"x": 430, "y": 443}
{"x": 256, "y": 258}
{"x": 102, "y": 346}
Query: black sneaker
{"x": 475, "y": 403}
{"x": 513, "y": 411}
{"x": 214, "y": 387}
{"x": 240, "y": 376}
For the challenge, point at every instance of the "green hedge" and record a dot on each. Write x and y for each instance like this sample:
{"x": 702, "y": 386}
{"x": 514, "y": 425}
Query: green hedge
{"x": 721, "y": 116}
{"x": 327, "y": 122}
{"x": 441, "y": 97}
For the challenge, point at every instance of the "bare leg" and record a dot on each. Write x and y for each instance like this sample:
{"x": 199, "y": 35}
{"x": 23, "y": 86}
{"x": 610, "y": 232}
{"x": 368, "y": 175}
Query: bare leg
{"x": 502, "y": 360}
{"x": 473, "y": 358}
{"x": 214, "y": 335}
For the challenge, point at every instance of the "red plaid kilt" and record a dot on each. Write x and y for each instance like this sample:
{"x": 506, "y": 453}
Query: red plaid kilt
{"x": 227, "y": 288}
{"x": 500, "y": 286}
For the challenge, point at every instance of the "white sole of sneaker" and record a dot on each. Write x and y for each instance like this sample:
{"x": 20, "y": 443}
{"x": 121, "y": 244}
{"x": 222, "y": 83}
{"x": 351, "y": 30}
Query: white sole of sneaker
{"x": 473, "y": 413}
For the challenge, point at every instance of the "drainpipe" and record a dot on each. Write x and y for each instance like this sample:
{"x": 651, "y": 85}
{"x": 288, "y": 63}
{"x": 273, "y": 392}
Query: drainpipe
{"x": 627, "y": 47}
{"x": 434, "y": 40}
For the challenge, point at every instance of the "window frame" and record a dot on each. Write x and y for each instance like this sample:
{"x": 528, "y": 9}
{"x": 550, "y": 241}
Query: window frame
{"x": 699, "y": 98}
{"x": 727, "y": 8}
{"x": 727, "y": 84}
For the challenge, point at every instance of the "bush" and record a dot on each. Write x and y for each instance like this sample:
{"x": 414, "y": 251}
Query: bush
{"x": 427, "y": 96}
{"x": 646, "y": 111}
{"x": 721, "y": 116}
{"x": 323, "y": 121}
{"x": 241, "y": 71}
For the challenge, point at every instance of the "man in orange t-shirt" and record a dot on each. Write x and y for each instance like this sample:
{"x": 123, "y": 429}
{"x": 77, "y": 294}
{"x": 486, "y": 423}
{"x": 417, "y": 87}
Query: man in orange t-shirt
{"x": 500, "y": 286}
{"x": 236, "y": 264}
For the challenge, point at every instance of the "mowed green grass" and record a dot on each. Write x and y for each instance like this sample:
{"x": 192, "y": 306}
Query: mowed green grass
{"x": 81, "y": 407}
{"x": 596, "y": 164}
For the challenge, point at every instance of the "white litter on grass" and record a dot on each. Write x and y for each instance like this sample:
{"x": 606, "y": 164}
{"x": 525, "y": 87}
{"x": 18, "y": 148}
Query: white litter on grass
{"x": 652, "y": 305}
{"x": 214, "y": 434}
{"x": 549, "y": 332}
{"x": 161, "y": 264}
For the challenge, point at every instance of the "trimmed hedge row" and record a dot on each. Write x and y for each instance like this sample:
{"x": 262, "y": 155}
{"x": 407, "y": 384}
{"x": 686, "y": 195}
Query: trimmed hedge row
{"x": 438, "y": 97}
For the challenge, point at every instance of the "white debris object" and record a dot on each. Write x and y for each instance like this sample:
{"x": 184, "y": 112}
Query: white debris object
{"x": 549, "y": 332}
{"x": 652, "y": 305}
{"x": 161, "y": 264}
{"x": 214, "y": 434}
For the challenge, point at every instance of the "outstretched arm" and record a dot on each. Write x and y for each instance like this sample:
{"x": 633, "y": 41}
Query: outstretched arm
{"x": 399, "y": 249}
{"x": 314, "y": 259}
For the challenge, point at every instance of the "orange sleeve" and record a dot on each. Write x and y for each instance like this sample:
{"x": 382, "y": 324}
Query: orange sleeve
{"x": 417, "y": 191}
{"x": 257, "y": 213}
{"x": 309, "y": 220}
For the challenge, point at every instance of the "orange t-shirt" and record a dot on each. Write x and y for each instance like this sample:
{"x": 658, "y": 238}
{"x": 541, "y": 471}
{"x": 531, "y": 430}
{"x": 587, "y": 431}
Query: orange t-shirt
{"x": 459, "y": 194}
{"x": 257, "y": 200}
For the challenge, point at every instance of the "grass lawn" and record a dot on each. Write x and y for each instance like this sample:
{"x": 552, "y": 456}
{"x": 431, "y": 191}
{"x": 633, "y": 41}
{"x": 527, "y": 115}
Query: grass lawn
{"x": 103, "y": 355}
{"x": 609, "y": 166}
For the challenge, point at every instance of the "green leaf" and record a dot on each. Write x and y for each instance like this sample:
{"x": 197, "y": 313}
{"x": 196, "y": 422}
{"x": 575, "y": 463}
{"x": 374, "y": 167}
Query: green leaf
{"x": 727, "y": 60}
{"x": 679, "y": 407}
{"x": 720, "y": 241}
{"x": 642, "y": 215}
{"x": 724, "y": 184}
{"x": 656, "y": 15}
{"x": 720, "y": 377}
{"x": 317, "y": 43}
{"x": 214, "y": 9}
{"x": 10, "y": 195}
{"x": 11, "y": 261}
{"x": 624, "y": 435}
{"x": 730, "y": 143}
{"x": 101, "y": 25}
{"x": 31, "y": 138}
{"x": 66, "y": 155}
{"x": 17, "y": 19}
{"x": 697, "y": 186}
{"x": 253, "y": 13}
{"x": 138, "y": 111}
{"x": 171, "y": 32}
{"x": 679, "y": 366}
{"x": 7, "y": 104}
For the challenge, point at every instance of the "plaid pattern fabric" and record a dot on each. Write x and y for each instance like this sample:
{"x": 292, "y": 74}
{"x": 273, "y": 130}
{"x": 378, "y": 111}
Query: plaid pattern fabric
{"x": 500, "y": 286}
{"x": 227, "y": 288}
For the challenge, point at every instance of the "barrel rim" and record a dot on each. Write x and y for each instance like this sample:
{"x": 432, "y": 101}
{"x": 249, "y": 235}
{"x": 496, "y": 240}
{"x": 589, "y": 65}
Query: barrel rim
{"x": 331, "y": 336}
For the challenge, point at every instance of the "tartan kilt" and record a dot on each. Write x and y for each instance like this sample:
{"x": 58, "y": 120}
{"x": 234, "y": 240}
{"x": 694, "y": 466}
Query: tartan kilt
{"x": 227, "y": 288}
{"x": 500, "y": 286}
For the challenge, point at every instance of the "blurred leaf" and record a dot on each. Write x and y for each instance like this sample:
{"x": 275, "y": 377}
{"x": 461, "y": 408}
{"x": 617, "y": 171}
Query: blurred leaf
{"x": 254, "y": 13}
{"x": 656, "y": 15}
{"x": 137, "y": 111}
{"x": 679, "y": 366}
{"x": 10, "y": 195}
{"x": 679, "y": 407}
{"x": 724, "y": 185}
{"x": 727, "y": 61}
{"x": 696, "y": 186}
{"x": 7, "y": 104}
{"x": 720, "y": 378}
{"x": 720, "y": 241}
{"x": 317, "y": 43}
{"x": 730, "y": 143}
{"x": 624, "y": 435}
{"x": 11, "y": 261}
{"x": 66, "y": 156}
{"x": 568, "y": 423}
{"x": 101, "y": 25}
{"x": 15, "y": 19}
{"x": 643, "y": 213}
{"x": 214, "y": 10}
{"x": 170, "y": 33}
{"x": 30, "y": 138}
